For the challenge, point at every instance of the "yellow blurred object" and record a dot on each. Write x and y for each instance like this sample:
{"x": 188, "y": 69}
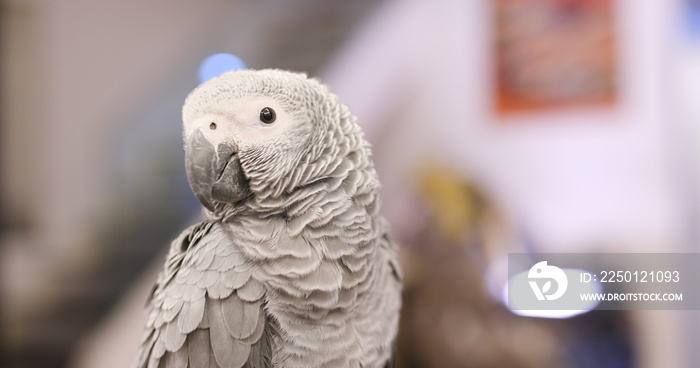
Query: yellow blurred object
{"x": 449, "y": 317}
{"x": 453, "y": 203}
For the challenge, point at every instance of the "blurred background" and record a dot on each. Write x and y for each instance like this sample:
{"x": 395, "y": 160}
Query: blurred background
{"x": 497, "y": 125}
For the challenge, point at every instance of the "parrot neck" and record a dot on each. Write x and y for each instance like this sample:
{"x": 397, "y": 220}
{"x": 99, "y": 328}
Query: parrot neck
{"x": 335, "y": 164}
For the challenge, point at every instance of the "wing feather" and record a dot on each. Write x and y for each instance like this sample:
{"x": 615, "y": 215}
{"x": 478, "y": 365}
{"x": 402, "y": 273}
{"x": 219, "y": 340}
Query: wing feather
{"x": 170, "y": 313}
{"x": 177, "y": 359}
{"x": 158, "y": 348}
{"x": 153, "y": 362}
{"x": 190, "y": 316}
{"x": 240, "y": 317}
{"x": 253, "y": 290}
{"x": 199, "y": 348}
{"x": 228, "y": 351}
{"x": 261, "y": 352}
{"x": 235, "y": 280}
{"x": 172, "y": 337}
{"x": 204, "y": 323}
{"x": 257, "y": 333}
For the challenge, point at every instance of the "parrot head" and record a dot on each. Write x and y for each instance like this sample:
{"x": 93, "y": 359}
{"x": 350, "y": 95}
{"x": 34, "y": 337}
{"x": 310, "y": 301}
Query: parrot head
{"x": 258, "y": 133}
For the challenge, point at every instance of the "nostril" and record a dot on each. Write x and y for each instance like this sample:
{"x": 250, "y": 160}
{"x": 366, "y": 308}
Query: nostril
{"x": 212, "y": 126}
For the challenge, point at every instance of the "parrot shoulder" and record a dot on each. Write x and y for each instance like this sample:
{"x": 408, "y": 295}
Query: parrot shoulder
{"x": 207, "y": 310}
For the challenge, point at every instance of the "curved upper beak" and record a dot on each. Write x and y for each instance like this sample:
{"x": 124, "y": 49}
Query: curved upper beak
{"x": 215, "y": 173}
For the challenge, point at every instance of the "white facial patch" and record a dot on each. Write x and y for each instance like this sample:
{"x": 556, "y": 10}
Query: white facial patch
{"x": 240, "y": 122}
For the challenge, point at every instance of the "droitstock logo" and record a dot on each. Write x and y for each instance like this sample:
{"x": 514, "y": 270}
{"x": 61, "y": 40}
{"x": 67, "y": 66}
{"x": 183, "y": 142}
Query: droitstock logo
{"x": 541, "y": 272}
{"x": 567, "y": 284}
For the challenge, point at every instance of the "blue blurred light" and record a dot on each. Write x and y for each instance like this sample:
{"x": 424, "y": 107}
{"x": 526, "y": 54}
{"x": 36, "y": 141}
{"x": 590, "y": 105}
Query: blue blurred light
{"x": 693, "y": 21}
{"x": 214, "y": 65}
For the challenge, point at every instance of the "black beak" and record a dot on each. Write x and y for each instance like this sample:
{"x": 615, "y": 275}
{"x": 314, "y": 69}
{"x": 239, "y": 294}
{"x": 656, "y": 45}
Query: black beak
{"x": 215, "y": 174}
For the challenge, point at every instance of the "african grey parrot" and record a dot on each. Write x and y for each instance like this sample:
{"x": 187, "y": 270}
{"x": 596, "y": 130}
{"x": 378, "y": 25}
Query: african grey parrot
{"x": 293, "y": 266}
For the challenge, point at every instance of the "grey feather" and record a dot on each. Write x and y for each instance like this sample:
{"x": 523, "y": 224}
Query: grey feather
{"x": 327, "y": 277}
{"x": 171, "y": 302}
{"x": 228, "y": 352}
{"x": 235, "y": 280}
{"x": 334, "y": 248}
{"x": 354, "y": 263}
{"x": 240, "y": 317}
{"x": 199, "y": 348}
{"x": 323, "y": 299}
{"x": 154, "y": 362}
{"x": 172, "y": 337}
{"x": 347, "y": 298}
{"x": 204, "y": 323}
{"x": 253, "y": 290}
{"x": 262, "y": 230}
{"x": 176, "y": 359}
{"x": 200, "y": 260}
{"x": 190, "y": 316}
{"x": 208, "y": 279}
{"x": 352, "y": 279}
{"x": 219, "y": 290}
{"x": 158, "y": 348}
{"x": 292, "y": 266}
{"x": 257, "y": 333}
{"x": 191, "y": 293}
{"x": 261, "y": 352}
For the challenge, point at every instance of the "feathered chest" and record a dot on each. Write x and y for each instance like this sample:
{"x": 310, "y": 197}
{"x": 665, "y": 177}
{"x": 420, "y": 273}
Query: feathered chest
{"x": 251, "y": 285}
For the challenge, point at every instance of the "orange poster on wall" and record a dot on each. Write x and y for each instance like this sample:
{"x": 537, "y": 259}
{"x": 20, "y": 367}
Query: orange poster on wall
{"x": 552, "y": 53}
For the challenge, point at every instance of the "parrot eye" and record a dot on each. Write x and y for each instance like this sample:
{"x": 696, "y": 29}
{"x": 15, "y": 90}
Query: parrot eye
{"x": 212, "y": 126}
{"x": 267, "y": 115}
